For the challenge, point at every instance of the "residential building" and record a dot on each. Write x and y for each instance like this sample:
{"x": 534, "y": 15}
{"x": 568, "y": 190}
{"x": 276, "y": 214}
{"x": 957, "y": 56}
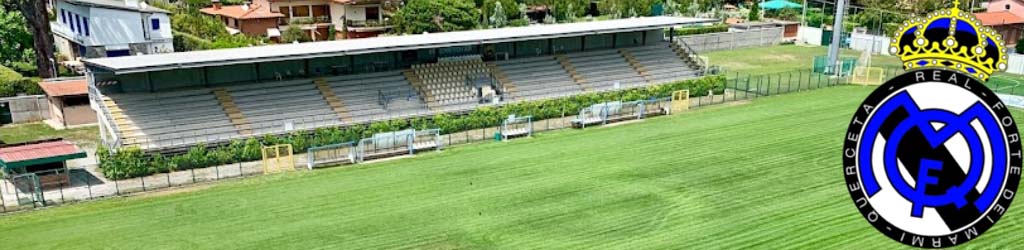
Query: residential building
{"x": 110, "y": 28}
{"x": 1005, "y": 17}
{"x": 255, "y": 19}
{"x": 349, "y": 18}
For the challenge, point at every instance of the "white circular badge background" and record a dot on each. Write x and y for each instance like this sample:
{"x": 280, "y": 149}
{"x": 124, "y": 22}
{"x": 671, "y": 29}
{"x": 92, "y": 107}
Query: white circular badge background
{"x": 889, "y": 204}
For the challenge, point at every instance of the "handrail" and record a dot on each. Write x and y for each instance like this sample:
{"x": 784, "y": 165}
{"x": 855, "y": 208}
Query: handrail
{"x": 690, "y": 52}
{"x": 97, "y": 97}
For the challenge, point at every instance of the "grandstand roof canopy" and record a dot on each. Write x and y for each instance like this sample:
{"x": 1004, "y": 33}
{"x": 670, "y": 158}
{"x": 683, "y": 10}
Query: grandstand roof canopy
{"x": 194, "y": 59}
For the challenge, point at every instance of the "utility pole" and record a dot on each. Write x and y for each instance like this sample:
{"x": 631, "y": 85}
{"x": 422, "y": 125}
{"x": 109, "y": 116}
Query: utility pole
{"x": 803, "y": 14}
{"x": 837, "y": 34}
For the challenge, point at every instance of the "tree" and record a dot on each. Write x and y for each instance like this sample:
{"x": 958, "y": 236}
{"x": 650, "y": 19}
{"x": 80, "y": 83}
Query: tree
{"x": 15, "y": 40}
{"x": 38, "y": 22}
{"x": 499, "y": 19}
{"x": 295, "y": 34}
{"x": 755, "y": 12}
{"x": 420, "y": 16}
{"x": 671, "y": 8}
{"x": 488, "y": 7}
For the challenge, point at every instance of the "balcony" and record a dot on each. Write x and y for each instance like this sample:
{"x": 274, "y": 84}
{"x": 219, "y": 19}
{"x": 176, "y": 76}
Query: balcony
{"x": 367, "y": 25}
{"x": 306, "y": 21}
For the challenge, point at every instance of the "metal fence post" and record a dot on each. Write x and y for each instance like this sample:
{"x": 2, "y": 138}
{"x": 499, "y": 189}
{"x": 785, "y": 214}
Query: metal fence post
{"x": 778, "y": 87}
{"x": 62, "y": 191}
{"x": 800, "y": 79}
{"x": 3, "y": 202}
{"x": 819, "y": 81}
{"x": 809, "y": 74}
{"x": 735, "y": 86}
{"x": 746, "y": 93}
{"x": 789, "y": 79}
{"x": 89, "y": 186}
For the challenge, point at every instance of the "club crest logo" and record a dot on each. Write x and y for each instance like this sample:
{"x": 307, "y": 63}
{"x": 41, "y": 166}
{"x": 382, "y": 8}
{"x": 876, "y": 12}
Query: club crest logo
{"x": 932, "y": 157}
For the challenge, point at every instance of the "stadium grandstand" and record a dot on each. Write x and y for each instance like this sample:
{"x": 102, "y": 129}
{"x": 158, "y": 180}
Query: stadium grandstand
{"x": 172, "y": 101}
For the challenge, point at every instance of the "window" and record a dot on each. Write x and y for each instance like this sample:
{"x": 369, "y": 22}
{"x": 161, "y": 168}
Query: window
{"x": 72, "y": 23}
{"x": 155, "y": 23}
{"x": 63, "y": 16}
{"x": 373, "y": 13}
{"x": 78, "y": 22}
{"x": 286, "y": 11}
{"x": 300, "y": 11}
{"x": 320, "y": 11}
{"x": 85, "y": 23}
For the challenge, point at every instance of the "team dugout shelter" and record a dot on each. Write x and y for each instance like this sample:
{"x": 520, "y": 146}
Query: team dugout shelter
{"x": 181, "y": 99}
{"x": 46, "y": 159}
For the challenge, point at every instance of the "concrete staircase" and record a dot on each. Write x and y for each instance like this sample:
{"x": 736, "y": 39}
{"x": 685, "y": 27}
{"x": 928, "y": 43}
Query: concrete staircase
{"x": 682, "y": 53}
{"x": 234, "y": 114}
{"x": 332, "y": 100}
{"x": 417, "y": 83}
{"x": 502, "y": 78}
{"x": 129, "y": 133}
{"x": 637, "y": 66}
{"x": 569, "y": 68}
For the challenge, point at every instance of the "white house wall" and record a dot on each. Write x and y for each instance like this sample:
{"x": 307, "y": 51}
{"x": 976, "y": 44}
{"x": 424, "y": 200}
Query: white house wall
{"x": 115, "y": 29}
{"x": 338, "y": 15}
{"x": 75, "y": 9}
{"x": 165, "y": 27}
{"x": 356, "y": 13}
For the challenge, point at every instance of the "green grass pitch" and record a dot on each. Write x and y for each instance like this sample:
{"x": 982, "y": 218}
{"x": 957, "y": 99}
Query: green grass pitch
{"x": 761, "y": 175}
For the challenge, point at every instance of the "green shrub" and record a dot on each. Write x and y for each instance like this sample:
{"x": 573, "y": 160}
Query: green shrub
{"x": 702, "y": 29}
{"x": 7, "y": 74}
{"x": 13, "y": 84}
{"x": 519, "y": 22}
{"x": 132, "y": 162}
{"x": 25, "y": 68}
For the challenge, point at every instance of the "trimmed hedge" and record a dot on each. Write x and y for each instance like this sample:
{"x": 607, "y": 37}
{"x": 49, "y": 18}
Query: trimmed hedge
{"x": 12, "y": 84}
{"x": 703, "y": 30}
{"x": 132, "y": 162}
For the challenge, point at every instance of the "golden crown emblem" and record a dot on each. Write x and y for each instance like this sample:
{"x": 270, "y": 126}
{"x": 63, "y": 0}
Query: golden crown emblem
{"x": 950, "y": 39}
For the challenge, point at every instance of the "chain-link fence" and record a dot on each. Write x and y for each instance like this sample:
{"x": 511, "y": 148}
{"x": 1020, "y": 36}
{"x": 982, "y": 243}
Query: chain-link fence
{"x": 734, "y": 39}
{"x": 84, "y": 185}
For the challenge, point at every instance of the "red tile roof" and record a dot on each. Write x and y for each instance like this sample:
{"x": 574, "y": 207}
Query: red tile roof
{"x": 998, "y": 18}
{"x": 72, "y": 87}
{"x": 254, "y": 11}
{"x": 34, "y": 151}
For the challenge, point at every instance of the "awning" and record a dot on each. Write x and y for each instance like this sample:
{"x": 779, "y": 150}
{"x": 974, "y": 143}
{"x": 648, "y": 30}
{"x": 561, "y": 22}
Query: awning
{"x": 38, "y": 153}
{"x": 780, "y": 4}
{"x": 65, "y": 87}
